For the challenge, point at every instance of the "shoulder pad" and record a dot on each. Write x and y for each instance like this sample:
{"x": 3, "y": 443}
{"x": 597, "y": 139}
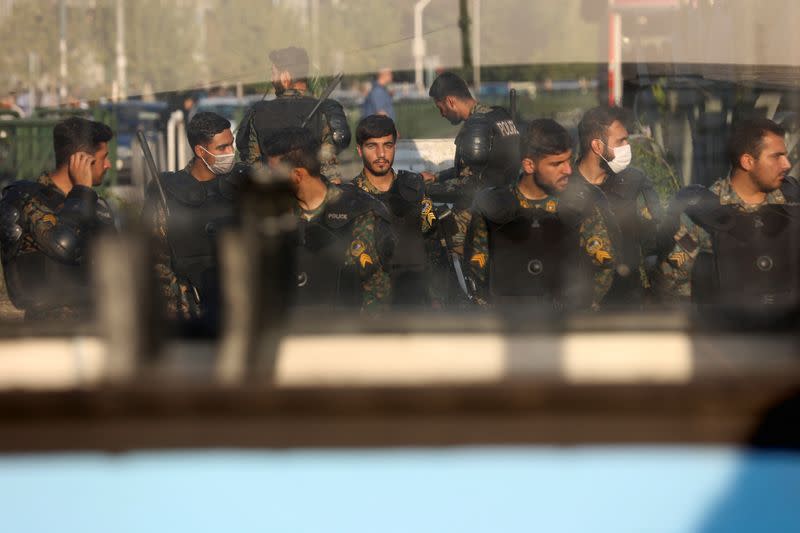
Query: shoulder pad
{"x": 231, "y": 183}
{"x": 351, "y": 204}
{"x": 580, "y": 197}
{"x": 409, "y": 185}
{"x": 702, "y": 206}
{"x": 475, "y": 139}
{"x": 496, "y": 204}
{"x": 791, "y": 189}
{"x": 19, "y": 192}
{"x": 628, "y": 182}
{"x": 183, "y": 187}
{"x": 340, "y": 130}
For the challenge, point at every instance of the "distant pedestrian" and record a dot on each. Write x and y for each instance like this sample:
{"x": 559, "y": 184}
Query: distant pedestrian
{"x": 379, "y": 99}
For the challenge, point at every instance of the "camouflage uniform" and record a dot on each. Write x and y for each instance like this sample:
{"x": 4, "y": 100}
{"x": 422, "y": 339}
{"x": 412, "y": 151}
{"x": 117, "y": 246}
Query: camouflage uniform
{"x": 674, "y": 276}
{"x": 40, "y": 216}
{"x": 247, "y": 139}
{"x": 594, "y": 240}
{"x": 427, "y": 216}
{"x": 177, "y": 296}
{"x": 362, "y": 253}
{"x": 495, "y": 129}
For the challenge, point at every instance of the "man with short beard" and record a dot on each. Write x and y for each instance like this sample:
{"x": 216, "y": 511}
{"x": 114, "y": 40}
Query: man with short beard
{"x": 528, "y": 243}
{"x": 625, "y": 194}
{"x": 291, "y": 106}
{"x": 737, "y": 243}
{"x": 403, "y": 193}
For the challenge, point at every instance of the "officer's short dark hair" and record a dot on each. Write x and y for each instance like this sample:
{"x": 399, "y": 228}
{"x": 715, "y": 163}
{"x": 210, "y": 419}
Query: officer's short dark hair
{"x": 449, "y": 84}
{"x": 544, "y": 137}
{"x": 76, "y": 134}
{"x": 747, "y": 137}
{"x": 203, "y": 126}
{"x": 595, "y": 124}
{"x": 292, "y": 59}
{"x": 375, "y": 126}
{"x": 296, "y": 146}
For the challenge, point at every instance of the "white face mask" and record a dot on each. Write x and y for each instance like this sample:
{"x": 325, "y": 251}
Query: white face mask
{"x": 622, "y": 158}
{"x": 223, "y": 163}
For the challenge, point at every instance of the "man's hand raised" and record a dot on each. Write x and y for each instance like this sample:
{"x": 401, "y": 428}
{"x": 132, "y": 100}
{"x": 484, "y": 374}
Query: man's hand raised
{"x": 80, "y": 168}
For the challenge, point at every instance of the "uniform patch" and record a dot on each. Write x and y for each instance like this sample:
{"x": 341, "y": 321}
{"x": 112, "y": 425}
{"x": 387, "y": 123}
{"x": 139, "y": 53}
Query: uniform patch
{"x": 427, "y": 211}
{"x": 550, "y": 206}
{"x": 50, "y": 219}
{"x": 646, "y": 213}
{"x": 678, "y": 258}
{"x": 479, "y": 259}
{"x": 594, "y": 247}
{"x": 357, "y": 248}
{"x": 364, "y": 260}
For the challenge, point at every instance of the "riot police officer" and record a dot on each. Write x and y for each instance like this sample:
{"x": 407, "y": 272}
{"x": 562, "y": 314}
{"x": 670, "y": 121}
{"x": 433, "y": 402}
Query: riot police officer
{"x": 344, "y": 239}
{"x": 530, "y": 242}
{"x": 403, "y": 193}
{"x": 633, "y": 208}
{"x": 291, "y": 107}
{"x": 200, "y": 202}
{"x": 736, "y": 244}
{"x": 487, "y": 150}
{"x": 47, "y": 226}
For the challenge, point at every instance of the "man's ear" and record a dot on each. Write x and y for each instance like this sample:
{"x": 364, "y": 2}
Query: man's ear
{"x": 358, "y": 149}
{"x": 747, "y": 161}
{"x": 198, "y": 151}
{"x": 597, "y": 146}
{"x": 528, "y": 166}
{"x": 298, "y": 175}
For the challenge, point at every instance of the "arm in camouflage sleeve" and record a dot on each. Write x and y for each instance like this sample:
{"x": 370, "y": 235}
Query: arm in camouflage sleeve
{"x": 673, "y": 281}
{"x": 372, "y": 263}
{"x": 61, "y": 234}
{"x": 179, "y": 303}
{"x": 595, "y": 241}
{"x": 478, "y": 251}
{"x": 247, "y": 139}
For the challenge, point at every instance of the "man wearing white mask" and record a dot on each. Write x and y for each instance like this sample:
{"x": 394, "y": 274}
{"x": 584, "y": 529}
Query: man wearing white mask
{"x": 199, "y": 203}
{"x": 626, "y": 194}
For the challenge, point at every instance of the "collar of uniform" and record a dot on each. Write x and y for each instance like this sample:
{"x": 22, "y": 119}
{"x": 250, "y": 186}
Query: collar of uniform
{"x": 527, "y": 203}
{"x": 362, "y": 182}
{"x": 728, "y": 196}
{"x": 47, "y": 181}
{"x": 292, "y": 93}
{"x": 331, "y": 194}
{"x": 479, "y": 108}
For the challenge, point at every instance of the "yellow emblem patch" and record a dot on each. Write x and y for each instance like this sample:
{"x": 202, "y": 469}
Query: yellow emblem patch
{"x": 357, "y": 248}
{"x": 550, "y": 206}
{"x": 427, "y": 211}
{"x": 50, "y": 219}
{"x": 479, "y": 259}
{"x": 594, "y": 247}
{"x": 646, "y": 213}
{"x": 364, "y": 260}
{"x": 677, "y": 258}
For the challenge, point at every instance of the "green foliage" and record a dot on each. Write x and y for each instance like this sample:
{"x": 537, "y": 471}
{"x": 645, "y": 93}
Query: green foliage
{"x": 648, "y": 157}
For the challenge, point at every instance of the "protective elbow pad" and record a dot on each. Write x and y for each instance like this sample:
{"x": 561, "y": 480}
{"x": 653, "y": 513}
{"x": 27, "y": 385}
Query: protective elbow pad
{"x": 65, "y": 243}
{"x": 475, "y": 142}
{"x": 338, "y": 122}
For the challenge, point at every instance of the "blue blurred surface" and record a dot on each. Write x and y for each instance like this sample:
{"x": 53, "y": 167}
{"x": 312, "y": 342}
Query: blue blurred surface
{"x": 571, "y": 489}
